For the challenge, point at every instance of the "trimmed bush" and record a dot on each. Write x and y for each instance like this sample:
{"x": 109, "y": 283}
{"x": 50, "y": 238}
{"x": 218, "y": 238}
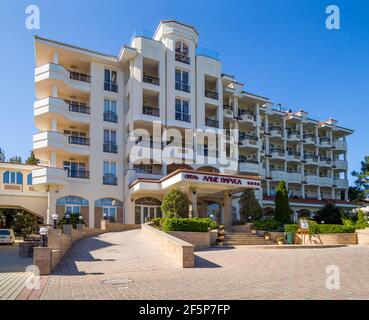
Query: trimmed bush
{"x": 268, "y": 225}
{"x": 184, "y": 224}
{"x": 322, "y": 228}
{"x": 283, "y": 211}
{"x": 175, "y": 204}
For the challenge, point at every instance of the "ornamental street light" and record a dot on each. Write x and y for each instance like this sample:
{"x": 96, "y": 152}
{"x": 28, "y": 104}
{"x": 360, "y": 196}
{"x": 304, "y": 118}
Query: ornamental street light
{"x": 80, "y": 219}
{"x": 55, "y": 218}
{"x": 43, "y": 233}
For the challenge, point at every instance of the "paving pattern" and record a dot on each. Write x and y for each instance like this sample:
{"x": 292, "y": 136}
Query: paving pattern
{"x": 126, "y": 266}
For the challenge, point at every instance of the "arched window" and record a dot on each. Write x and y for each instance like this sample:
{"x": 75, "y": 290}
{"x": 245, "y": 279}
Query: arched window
{"x": 208, "y": 169}
{"x": 72, "y": 204}
{"x": 146, "y": 209}
{"x": 29, "y": 179}
{"x": 182, "y": 52}
{"x": 12, "y": 177}
{"x": 109, "y": 208}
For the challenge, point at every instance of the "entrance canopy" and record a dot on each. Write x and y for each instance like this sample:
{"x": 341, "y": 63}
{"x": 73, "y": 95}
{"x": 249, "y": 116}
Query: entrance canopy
{"x": 186, "y": 179}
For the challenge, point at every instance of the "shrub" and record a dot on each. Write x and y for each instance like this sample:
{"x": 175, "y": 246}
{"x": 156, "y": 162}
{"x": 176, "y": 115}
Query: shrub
{"x": 322, "y": 228}
{"x": 283, "y": 211}
{"x": 249, "y": 206}
{"x": 185, "y": 224}
{"x": 175, "y": 204}
{"x": 291, "y": 228}
{"x": 330, "y": 214}
{"x": 73, "y": 220}
{"x": 157, "y": 222}
{"x": 361, "y": 222}
{"x": 211, "y": 223}
{"x": 268, "y": 225}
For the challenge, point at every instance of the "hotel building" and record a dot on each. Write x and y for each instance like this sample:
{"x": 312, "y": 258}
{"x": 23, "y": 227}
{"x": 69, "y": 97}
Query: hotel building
{"x": 115, "y": 133}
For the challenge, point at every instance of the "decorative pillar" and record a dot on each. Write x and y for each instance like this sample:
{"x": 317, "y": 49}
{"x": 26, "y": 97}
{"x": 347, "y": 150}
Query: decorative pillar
{"x": 193, "y": 197}
{"x": 227, "y": 210}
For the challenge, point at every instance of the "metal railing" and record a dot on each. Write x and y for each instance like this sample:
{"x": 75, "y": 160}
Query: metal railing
{"x": 245, "y": 160}
{"x": 110, "y": 179}
{"x": 182, "y": 86}
{"x": 79, "y": 107}
{"x": 80, "y": 174}
{"x": 110, "y": 147}
{"x": 248, "y": 137}
{"x": 327, "y": 159}
{"x": 110, "y": 116}
{"x": 150, "y": 111}
{"x": 211, "y": 94}
{"x": 79, "y": 76}
{"x": 110, "y": 86}
{"x": 79, "y": 140}
{"x": 181, "y": 57}
{"x": 180, "y": 116}
{"x": 311, "y": 157}
{"x": 151, "y": 79}
{"x": 212, "y": 123}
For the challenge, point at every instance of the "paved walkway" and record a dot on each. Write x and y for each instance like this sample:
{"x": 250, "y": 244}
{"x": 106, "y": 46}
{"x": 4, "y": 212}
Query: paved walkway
{"x": 126, "y": 266}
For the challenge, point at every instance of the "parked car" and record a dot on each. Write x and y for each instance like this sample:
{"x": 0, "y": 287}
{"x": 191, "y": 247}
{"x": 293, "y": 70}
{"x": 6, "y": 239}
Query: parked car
{"x": 7, "y": 236}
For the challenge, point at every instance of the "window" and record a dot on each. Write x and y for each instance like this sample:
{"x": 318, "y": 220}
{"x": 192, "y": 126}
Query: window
{"x": 182, "y": 79}
{"x": 182, "y": 110}
{"x": 76, "y": 169}
{"x": 12, "y": 177}
{"x": 72, "y": 209}
{"x": 110, "y": 80}
{"x": 29, "y": 179}
{"x": 181, "y": 53}
{"x": 110, "y": 111}
{"x": 75, "y": 137}
{"x": 110, "y": 141}
{"x": 110, "y": 173}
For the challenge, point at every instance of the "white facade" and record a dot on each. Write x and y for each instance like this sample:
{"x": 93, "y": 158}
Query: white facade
{"x": 93, "y": 109}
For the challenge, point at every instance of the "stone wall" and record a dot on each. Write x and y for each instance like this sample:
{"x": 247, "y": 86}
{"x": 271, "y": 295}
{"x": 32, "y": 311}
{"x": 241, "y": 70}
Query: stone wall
{"x": 108, "y": 226}
{"x": 177, "y": 250}
{"x": 200, "y": 240}
{"x": 363, "y": 236}
{"x": 329, "y": 238}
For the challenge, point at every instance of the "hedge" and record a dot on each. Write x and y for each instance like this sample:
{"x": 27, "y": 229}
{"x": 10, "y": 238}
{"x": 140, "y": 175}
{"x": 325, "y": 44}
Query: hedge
{"x": 268, "y": 225}
{"x": 322, "y": 228}
{"x": 184, "y": 224}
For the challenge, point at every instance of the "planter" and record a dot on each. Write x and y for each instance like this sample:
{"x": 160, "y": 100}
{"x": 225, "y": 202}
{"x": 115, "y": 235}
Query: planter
{"x": 267, "y": 237}
{"x": 253, "y": 231}
{"x": 280, "y": 243}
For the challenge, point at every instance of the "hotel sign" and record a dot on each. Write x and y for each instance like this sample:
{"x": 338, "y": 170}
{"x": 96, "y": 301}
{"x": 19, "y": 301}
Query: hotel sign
{"x": 226, "y": 180}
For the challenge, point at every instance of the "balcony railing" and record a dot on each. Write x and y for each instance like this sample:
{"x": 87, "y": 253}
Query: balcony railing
{"x": 79, "y": 107}
{"x": 180, "y": 116}
{"x": 79, "y": 76}
{"x": 151, "y": 79}
{"x": 150, "y": 111}
{"x": 110, "y": 116}
{"x": 326, "y": 159}
{"x": 79, "y": 140}
{"x": 278, "y": 151}
{"x": 294, "y": 153}
{"x": 181, "y": 57}
{"x": 182, "y": 86}
{"x": 212, "y": 123}
{"x": 248, "y": 137}
{"x": 245, "y": 160}
{"x": 110, "y": 179}
{"x": 312, "y": 157}
{"x": 211, "y": 94}
{"x": 309, "y": 136}
{"x": 80, "y": 174}
{"x": 110, "y": 86}
{"x": 110, "y": 147}
{"x": 293, "y": 134}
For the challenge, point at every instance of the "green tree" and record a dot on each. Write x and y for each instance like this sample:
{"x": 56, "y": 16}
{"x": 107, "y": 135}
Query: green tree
{"x": 2, "y": 155}
{"x": 330, "y": 214}
{"x": 360, "y": 190}
{"x": 32, "y": 159}
{"x": 361, "y": 220}
{"x": 175, "y": 204}
{"x": 15, "y": 159}
{"x": 249, "y": 206}
{"x": 283, "y": 211}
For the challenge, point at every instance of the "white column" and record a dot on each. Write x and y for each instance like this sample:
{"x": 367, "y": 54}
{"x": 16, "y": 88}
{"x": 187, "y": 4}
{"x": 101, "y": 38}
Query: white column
{"x": 54, "y": 124}
{"x": 56, "y": 58}
{"x": 303, "y": 191}
{"x": 54, "y": 91}
{"x": 91, "y": 214}
{"x": 266, "y": 123}
{"x": 53, "y": 159}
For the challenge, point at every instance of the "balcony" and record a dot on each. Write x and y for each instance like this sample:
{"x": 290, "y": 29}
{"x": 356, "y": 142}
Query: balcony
{"x": 340, "y": 183}
{"x": 50, "y": 74}
{"x": 312, "y": 180}
{"x": 151, "y": 79}
{"x": 110, "y": 116}
{"x": 278, "y": 175}
{"x": 228, "y": 111}
{"x": 325, "y": 142}
{"x": 309, "y": 139}
{"x": 64, "y": 111}
{"x": 293, "y": 156}
{"x": 340, "y": 145}
{"x": 293, "y": 177}
{"x": 211, "y": 94}
{"x": 110, "y": 147}
{"x": 110, "y": 179}
{"x": 212, "y": 123}
{"x": 49, "y": 141}
{"x": 311, "y": 159}
{"x": 246, "y": 116}
{"x": 277, "y": 153}
{"x": 182, "y": 57}
{"x": 110, "y": 86}
{"x": 180, "y": 116}
{"x": 248, "y": 141}
{"x": 340, "y": 164}
{"x": 326, "y": 181}
{"x": 182, "y": 86}
{"x": 275, "y": 131}
{"x": 150, "y": 111}
{"x": 293, "y": 135}
{"x": 325, "y": 161}
{"x": 249, "y": 166}
{"x": 49, "y": 176}
{"x": 78, "y": 174}
{"x": 176, "y": 153}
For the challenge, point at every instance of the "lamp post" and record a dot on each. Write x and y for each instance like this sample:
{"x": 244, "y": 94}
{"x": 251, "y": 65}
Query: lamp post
{"x": 43, "y": 233}
{"x": 322, "y": 222}
{"x": 67, "y": 217}
{"x": 80, "y": 219}
{"x": 55, "y": 218}
{"x": 105, "y": 216}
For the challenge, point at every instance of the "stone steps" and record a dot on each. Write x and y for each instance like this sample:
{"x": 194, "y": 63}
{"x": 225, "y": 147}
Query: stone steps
{"x": 238, "y": 238}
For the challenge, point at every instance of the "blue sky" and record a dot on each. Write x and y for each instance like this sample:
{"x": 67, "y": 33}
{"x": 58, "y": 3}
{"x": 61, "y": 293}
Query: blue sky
{"x": 277, "y": 48}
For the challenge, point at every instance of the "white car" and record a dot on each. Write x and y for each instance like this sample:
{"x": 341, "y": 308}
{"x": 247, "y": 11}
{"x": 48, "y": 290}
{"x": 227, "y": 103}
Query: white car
{"x": 7, "y": 236}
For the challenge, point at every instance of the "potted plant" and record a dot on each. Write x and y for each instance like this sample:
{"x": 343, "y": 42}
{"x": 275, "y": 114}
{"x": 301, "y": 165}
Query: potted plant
{"x": 267, "y": 235}
{"x": 220, "y": 240}
{"x": 280, "y": 241}
{"x": 253, "y": 231}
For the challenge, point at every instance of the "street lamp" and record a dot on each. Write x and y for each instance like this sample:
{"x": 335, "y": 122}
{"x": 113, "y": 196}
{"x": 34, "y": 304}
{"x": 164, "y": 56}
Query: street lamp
{"x": 43, "y": 233}
{"x": 105, "y": 216}
{"x": 80, "y": 219}
{"x": 250, "y": 218}
{"x": 55, "y": 218}
{"x": 67, "y": 216}
{"x": 322, "y": 222}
